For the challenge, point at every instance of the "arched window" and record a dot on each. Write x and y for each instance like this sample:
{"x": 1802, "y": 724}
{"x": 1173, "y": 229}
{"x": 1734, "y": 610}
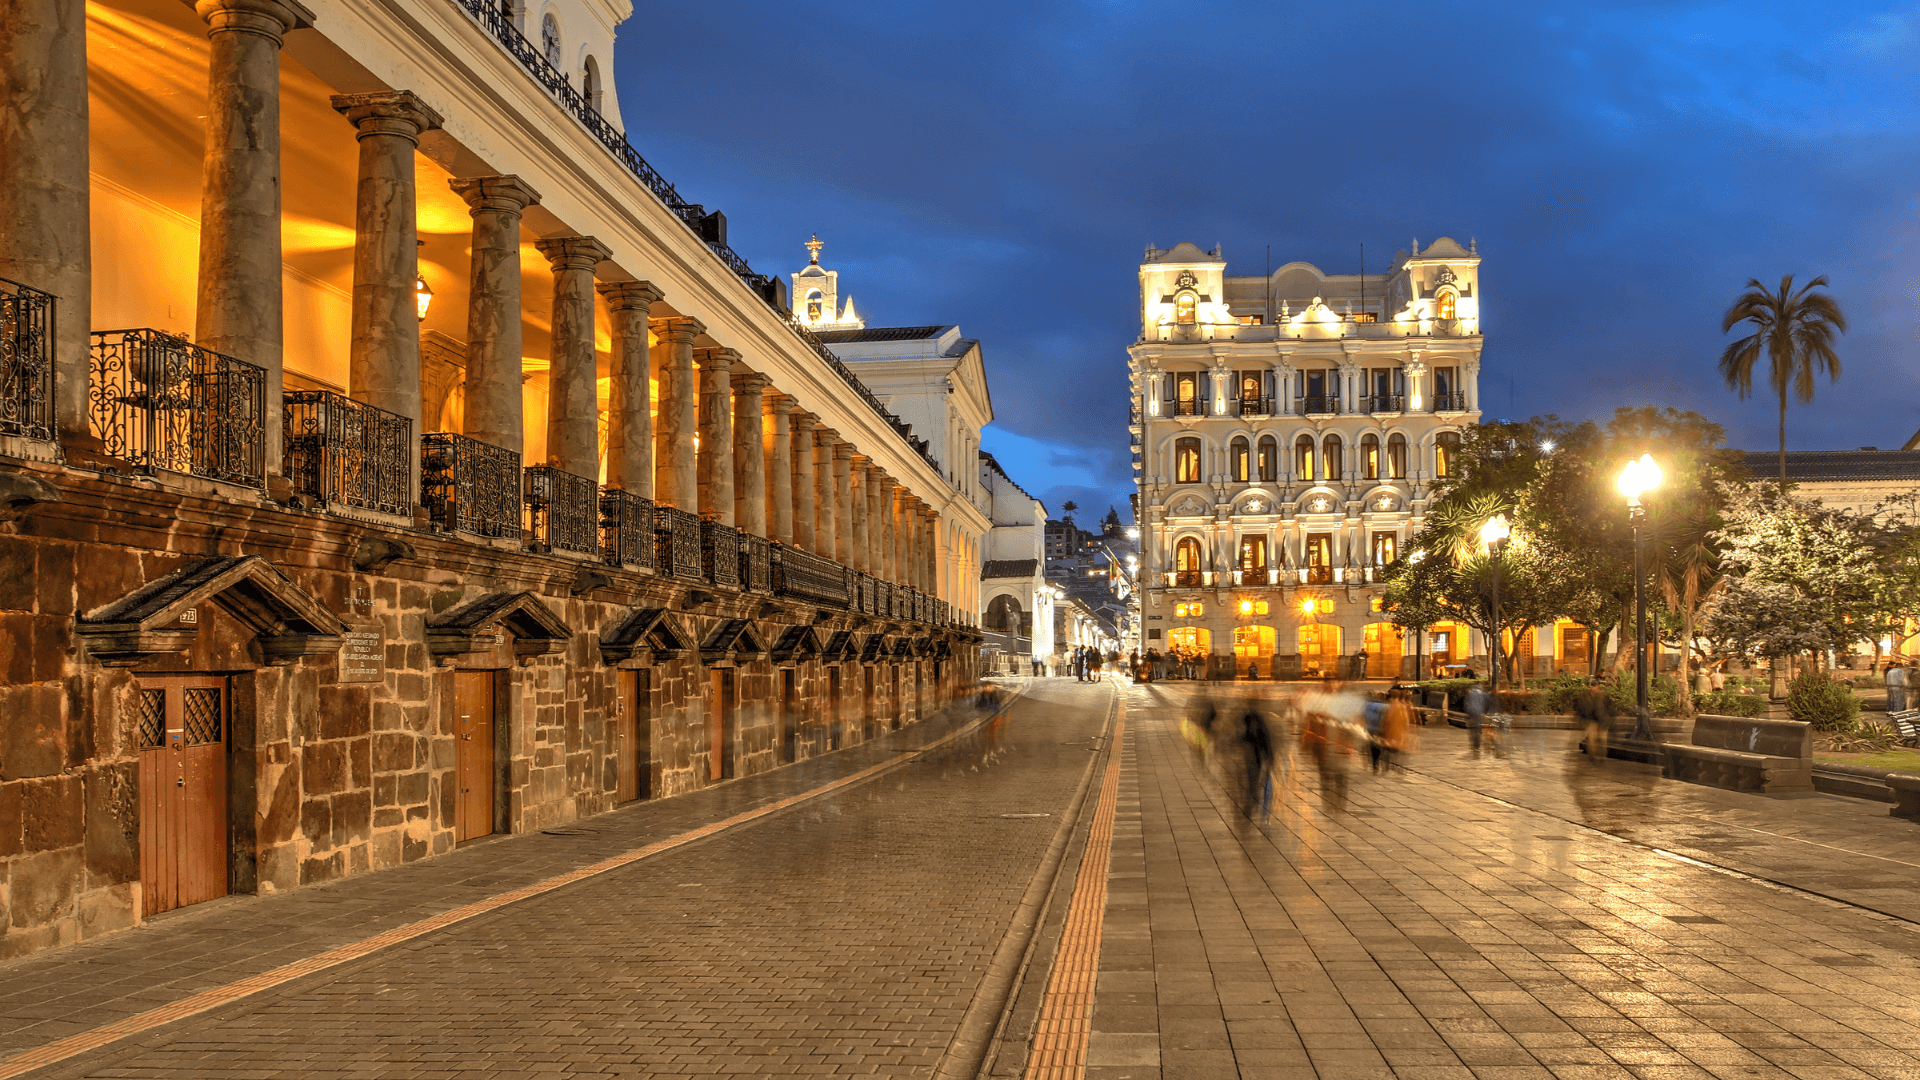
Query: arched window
{"x": 1186, "y": 563}
{"x": 1370, "y": 457}
{"x": 1334, "y": 464}
{"x": 1184, "y": 308}
{"x": 1186, "y": 461}
{"x": 1444, "y": 304}
{"x": 590, "y": 84}
{"x": 1269, "y": 459}
{"x": 1253, "y": 553}
{"x": 1003, "y": 614}
{"x": 1397, "y": 457}
{"x": 1446, "y": 447}
{"x": 550, "y": 39}
{"x": 1238, "y": 453}
{"x": 1303, "y": 458}
{"x": 1188, "y": 396}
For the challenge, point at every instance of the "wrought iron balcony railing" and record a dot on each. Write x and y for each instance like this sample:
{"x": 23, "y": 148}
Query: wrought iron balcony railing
{"x": 1381, "y": 403}
{"x": 26, "y": 362}
{"x": 807, "y": 577}
{"x": 1187, "y": 408}
{"x": 720, "y": 549}
{"x": 166, "y": 404}
{"x": 470, "y": 486}
{"x": 756, "y": 563}
{"x": 626, "y": 530}
{"x": 1449, "y": 403}
{"x": 346, "y": 452}
{"x": 1261, "y": 406}
{"x": 562, "y": 511}
{"x": 867, "y": 594}
{"x": 1316, "y": 575}
{"x": 1321, "y": 405}
{"x": 676, "y": 542}
{"x": 1259, "y": 575}
{"x": 1189, "y": 579}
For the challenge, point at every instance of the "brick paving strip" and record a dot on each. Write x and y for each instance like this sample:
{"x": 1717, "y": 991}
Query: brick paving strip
{"x": 1059, "y": 1050}
{"x": 207, "y": 1000}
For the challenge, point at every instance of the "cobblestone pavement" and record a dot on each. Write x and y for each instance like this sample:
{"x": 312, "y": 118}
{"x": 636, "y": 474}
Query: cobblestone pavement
{"x": 1425, "y": 931}
{"x": 846, "y": 934}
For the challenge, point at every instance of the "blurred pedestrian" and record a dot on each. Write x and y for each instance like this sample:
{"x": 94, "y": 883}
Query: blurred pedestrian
{"x": 1375, "y": 713}
{"x": 1478, "y": 701}
{"x": 1396, "y": 729}
{"x": 1256, "y": 743}
{"x": 1595, "y": 709}
{"x": 1898, "y": 678}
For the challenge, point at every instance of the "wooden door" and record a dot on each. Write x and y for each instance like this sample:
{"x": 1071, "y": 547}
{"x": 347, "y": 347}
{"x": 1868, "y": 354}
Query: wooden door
{"x": 473, "y": 768}
{"x": 182, "y": 735}
{"x": 632, "y": 736}
{"x": 789, "y": 716}
{"x": 720, "y": 725}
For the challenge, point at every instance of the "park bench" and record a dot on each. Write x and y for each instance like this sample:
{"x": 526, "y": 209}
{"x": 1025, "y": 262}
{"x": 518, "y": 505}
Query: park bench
{"x": 1906, "y": 725}
{"x": 1906, "y": 794}
{"x": 1742, "y": 754}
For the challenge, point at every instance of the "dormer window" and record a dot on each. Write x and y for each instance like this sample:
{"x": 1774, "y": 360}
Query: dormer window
{"x": 1444, "y": 304}
{"x": 1185, "y": 307}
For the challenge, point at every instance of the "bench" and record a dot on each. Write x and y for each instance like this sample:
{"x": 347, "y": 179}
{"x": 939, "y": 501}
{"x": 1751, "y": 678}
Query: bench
{"x": 1906, "y": 794}
{"x": 1745, "y": 755}
{"x": 1906, "y": 724}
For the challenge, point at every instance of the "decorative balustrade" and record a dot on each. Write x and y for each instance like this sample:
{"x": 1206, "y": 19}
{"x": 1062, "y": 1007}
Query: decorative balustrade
{"x": 868, "y": 593}
{"x": 1187, "y": 408}
{"x": 346, "y": 452}
{"x": 26, "y": 362}
{"x": 626, "y": 530}
{"x": 1261, "y": 406}
{"x": 676, "y": 542}
{"x": 166, "y": 404}
{"x": 803, "y": 576}
{"x": 720, "y": 553}
{"x": 1449, "y": 403}
{"x": 756, "y": 563}
{"x": 1190, "y": 579}
{"x": 1385, "y": 403}
{"x": 563, "y": 511}
{"x": 1325, "y": 406}
{"x": 470, "y": 486}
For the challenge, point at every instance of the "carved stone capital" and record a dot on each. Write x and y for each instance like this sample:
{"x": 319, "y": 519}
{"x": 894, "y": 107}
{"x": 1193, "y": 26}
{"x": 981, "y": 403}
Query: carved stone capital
{"x": 628, "y": 295}
{"x": 572, "y": 252}
{"x": 388, "y": 112}
{"x": 494, "y": 194}
{"x": 677, "y": 329}
{"x": 270, "y": 19}
{"x": 716, "y": 360}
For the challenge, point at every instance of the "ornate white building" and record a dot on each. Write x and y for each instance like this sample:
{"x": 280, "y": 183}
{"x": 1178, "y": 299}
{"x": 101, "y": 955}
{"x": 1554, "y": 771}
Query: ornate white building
{"x": 1286, "y": 434}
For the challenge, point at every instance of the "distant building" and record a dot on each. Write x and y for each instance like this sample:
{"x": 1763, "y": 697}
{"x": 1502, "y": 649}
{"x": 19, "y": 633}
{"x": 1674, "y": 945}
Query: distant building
{"x": 1857, "y": 480}
{"x": 816, "y": 295}
{"x": 1019, "y": 614}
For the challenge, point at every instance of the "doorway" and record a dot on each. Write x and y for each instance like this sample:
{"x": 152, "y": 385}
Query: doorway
{"x": 473, "y": 771}
{"x": 182, "y": 735}
{"x": 720, "y": 725}
{"x": 895, "y": 701}
{"x": 1319, "y": 646}
{"x": 633, "y": 736}
{"x": 833, "y": 708}
{"x": 789, "y": 717}
{"x": 1383, "y": 642}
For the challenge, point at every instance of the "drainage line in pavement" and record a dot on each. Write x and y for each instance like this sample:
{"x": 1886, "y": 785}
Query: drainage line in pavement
{"x": 207, "y": 1000}
{"x": 967, "y": 1056}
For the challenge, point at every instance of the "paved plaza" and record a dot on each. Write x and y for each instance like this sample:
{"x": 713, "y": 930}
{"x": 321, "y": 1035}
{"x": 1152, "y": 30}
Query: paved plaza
{"x": 908, "y": 908}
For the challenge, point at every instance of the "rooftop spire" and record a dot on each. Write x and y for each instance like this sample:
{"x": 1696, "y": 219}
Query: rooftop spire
{"x": 813, "y": 248}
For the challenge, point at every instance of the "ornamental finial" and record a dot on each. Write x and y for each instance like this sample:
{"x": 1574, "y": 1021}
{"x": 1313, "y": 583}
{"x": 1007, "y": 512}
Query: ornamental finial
{"x": 813, "y": 247}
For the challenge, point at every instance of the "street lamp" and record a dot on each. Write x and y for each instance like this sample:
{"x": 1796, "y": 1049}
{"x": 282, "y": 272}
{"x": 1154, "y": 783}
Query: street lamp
{"x": 1641, "y": 475}
{"x": 1494, "y": 535}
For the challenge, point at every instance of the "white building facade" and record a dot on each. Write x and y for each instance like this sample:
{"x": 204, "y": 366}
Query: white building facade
{"x": 1287, "y": 430}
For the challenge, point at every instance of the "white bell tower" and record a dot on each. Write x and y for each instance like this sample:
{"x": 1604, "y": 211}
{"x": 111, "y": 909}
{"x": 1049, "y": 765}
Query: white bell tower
{"x": 816, "y": 295}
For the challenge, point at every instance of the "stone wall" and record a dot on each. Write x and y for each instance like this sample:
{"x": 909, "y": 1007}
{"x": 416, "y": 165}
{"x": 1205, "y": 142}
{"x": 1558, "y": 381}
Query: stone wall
{"x": 329, "y": 777}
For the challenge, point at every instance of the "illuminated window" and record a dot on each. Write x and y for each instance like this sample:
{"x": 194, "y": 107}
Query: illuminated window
{"x": 1251, "y": 320}
{"x": 1268, "y": 459}
{"x": 1253, "y": 553}
{"x": 1250, "y": 386}
{"x": 1383, "y": 548}
{"x": 1446, "y": 446}
{"x": 1186, "y": 555}
{"x": 1334, "y": 463}
{"x": 1239, "y": 458}
{"x": 1260, "y": 607}
{"x": 1186, "y": 461}
{"x": 1365, "y": 316}
{"x": 1303, "y": 458}
{"x": 1183, "y": 309}
{"x": 1397, "y": 457}
{"x": 1189, "y": 611}
{"x": 1320, "y": 558}
{"x": 1377, "y": 605}
{"x": 1370, "y": 457}
{"x": 1444, "y": 304}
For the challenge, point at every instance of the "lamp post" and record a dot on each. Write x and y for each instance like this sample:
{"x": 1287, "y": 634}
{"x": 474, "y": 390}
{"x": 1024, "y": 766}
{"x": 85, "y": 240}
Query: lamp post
{"x": 1494, "y": 534}
{"x": 1641, "y": 475}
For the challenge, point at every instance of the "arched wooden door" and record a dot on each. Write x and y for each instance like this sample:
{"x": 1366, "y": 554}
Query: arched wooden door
{"x": 182, "y": 735}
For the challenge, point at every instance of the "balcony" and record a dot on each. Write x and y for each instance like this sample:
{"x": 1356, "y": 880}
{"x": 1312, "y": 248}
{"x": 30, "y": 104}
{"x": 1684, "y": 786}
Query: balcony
{"x": 864, "y": 594}
{"x": 626, "y": 530}
{"x": 167, "y": 405}
{"x": 1262, "y": 406}
{"x": 1190, "y": 579}
{"x": 756, "y": 563}
{"x": 563, "y": 511}
{"x": 720, "y": 553}
{"x": 1386, "y": 403}
{"x": 470, "y": 486}
{"x": 803, "y": 576}
{"x": 1186, "y": 408}
{"x": 1317, "y": 575}
{"x": 342, "y": 452}
{"x": 1449, "y": 403}
{"x": 1258, "y": 576}
{"x": 26, "y": 362}
{"x": 676, "y": 535}
{"x": 1322, "y": 406}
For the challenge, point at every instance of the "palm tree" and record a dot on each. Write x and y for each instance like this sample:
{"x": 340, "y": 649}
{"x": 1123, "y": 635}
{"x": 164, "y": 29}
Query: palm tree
{"x": 1796, "y": 330}
{"x": 1688, "y": 570}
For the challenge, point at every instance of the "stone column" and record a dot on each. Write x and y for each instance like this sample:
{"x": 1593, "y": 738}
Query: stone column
{"x": 868, "y": 498}
{"x": 239, "y": 310}
{"x": 493, "y": 402}
{"x": 780, "y": 474}
{"x": 630, "y": 396}
{"x": 805, "y": 513}
{"x": 843, "y": 512}
{"x": 749, "y": 454}
{"x": 857, "y": 479}
{"x": 716, "y": 434}
{"x": 44, "y": 187}
{"x": 677, "y": 476}
{"x": 383, "y": 365}
{"x": 573, "y": 399}
{"x": 880, "y": 506}
{"x": 826, "y": 495}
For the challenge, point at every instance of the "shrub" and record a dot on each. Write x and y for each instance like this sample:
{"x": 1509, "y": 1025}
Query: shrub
{"x": 1522, "y": 702}
{"x": 1455, "y": 689}
{"x": 1824, "y": 702}
{"x": 1563, "y": 694}
{"x": 1663, "y": 695}
{"x": 1728, "y": 703}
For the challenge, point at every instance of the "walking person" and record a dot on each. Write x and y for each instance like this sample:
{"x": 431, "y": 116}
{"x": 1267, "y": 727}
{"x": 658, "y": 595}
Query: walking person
{"x": 1256, "y": 743}
{"x": 1478, "y": 701}
{"x": 1396, "y": 730}
{"x": 1897, "y": 682}
{"x": 1596, "y": 715}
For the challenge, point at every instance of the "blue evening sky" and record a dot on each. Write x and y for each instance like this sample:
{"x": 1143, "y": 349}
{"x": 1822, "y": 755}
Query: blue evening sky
{"x": 1625, "y": 168}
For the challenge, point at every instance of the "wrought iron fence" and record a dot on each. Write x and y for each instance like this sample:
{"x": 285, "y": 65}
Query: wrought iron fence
{"x": 26, "y": 361}
{"x": 166, "y": 404}
{"x": 1379, "y": 403}
{"x": 1188, "y": 408}
{"x": 720, "y": 553}
{"x": 808, "y": 577}
{"x": 1320, "y": 405}
{"x": 1449, "y": 403}
{"x": 562, "y": 511}
{"x": 348, "y": 452}
{"x": 626, "y": 529}
{"x": 756, "y": 563}
{"x": 1256, "y": 406}
{"x": 676, "y": 542}
{"x": 470, "y": 486}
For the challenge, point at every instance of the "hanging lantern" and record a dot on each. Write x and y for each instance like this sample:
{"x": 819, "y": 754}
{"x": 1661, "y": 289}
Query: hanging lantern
{"x": 422, "y": 296}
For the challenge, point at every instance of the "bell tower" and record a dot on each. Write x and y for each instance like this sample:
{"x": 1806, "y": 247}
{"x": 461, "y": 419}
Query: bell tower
{"x": 816, "y": 295}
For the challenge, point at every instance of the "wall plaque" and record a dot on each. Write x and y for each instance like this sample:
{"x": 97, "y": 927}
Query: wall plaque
{"x": 364, "y": 657}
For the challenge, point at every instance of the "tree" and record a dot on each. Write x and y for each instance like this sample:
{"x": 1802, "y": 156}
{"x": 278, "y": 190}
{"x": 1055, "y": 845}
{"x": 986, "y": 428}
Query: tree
{"x": 1111, "y": 523}
{"x": 1769, "y": 620}
{"x": 1796, "y": 330}
{"x": 1826, "y": 556}
{"x": 1688, "y": 567}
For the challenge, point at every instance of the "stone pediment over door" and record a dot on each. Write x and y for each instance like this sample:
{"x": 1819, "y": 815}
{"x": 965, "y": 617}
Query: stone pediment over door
{"x": 288, "y": 621}
{"x": 469, "y": 628}
{"x": 798, "y": 643}
{"x": 733, "y": 639}
{"x": 655, "y": 631}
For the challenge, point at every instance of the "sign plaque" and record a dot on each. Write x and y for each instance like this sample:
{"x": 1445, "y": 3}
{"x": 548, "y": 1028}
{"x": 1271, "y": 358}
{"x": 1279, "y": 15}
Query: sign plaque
{"x": 364, "y": 657}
